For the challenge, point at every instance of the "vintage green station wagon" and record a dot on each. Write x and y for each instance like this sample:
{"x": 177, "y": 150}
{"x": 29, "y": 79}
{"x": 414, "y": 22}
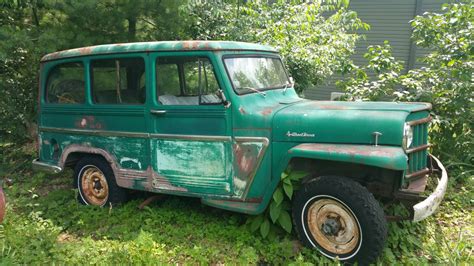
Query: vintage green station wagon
{"x": 221, "y": 121}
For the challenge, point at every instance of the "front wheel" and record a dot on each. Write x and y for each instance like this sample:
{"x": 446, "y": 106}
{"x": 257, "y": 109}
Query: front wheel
{"x": 340, "y": 218}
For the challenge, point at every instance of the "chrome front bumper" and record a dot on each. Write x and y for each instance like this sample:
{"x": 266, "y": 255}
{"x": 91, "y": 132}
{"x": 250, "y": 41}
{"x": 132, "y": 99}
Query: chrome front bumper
{"x": 45, "y": 167}
{"x": 428, "y": 206}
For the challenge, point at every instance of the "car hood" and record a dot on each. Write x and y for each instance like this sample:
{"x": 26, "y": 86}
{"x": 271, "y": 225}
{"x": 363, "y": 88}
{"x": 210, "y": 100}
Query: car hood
{"x": 344, "y": 122}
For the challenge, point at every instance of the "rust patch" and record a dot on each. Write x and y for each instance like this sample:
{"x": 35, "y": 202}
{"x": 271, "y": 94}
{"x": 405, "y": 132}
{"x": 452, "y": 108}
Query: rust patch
{"x": 2, "y": 205}
{"x": 88, "y": 122}
{"x": 161, "y": 182}
{"x": 95, "y": 189}
{"x": 242, "y": 110}
{"x": 85, "y": 50}
{"x": 191, "y": 44}
{"x": 267, "y": 111}
{"x": 249, "y": 200}
{"x": 87, "y": 149}
{"x": 248, "y": 154}
{"x": 348, "y": 149}
{"x": 51, "y": 56}
{"x": 329, "y": 106}
{"x": 386, "y": 156}
{"x": 246, "y": 159}
{"x": 149, "y": 179}
{"x": 418, "y": 185}
{"x": 420, "y": 121}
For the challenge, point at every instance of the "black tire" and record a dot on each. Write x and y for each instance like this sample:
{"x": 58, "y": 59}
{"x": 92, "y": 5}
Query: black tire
{"x": 112, "y": 194}
{"x": 340, "y": 207}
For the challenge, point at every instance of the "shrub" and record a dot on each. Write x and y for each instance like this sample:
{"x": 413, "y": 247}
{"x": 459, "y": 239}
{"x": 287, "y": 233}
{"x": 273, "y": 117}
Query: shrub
{"x": 446, "y": 80}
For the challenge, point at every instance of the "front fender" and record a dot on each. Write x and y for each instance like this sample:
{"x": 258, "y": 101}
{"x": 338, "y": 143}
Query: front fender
{"x": 387, "y": 157}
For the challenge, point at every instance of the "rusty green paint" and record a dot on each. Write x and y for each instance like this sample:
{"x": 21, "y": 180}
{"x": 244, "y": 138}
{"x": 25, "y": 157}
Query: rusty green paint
{"x": 228, "y": 157}
{"x": 387, "y": 157}
{"x": 177, "y": 46}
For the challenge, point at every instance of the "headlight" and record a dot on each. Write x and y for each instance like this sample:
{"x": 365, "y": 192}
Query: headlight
{"x": 407, "y": 136}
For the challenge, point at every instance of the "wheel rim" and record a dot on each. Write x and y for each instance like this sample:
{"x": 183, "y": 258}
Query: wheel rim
{"x": 95, "y": 190}
{"x": 333, "y": 226}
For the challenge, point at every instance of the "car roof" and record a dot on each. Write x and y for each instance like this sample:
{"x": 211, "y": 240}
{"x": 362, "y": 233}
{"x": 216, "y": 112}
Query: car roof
{"x": 157, "y": 46}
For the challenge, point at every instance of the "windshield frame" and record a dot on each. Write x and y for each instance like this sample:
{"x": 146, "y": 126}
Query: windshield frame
{"x": 273, "y": 56}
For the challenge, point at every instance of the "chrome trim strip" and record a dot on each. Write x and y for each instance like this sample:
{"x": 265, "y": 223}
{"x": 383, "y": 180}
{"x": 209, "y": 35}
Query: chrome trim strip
{"x": 256, "y": 139}
{"x": 419, "y": 148}
{"x": 419, "y": 121}
{"x": 45, "y": 167}
{"x": 191, "y": 137}
{"x": 95, "y": 132}
{"x": 134, "y": 134}
{"x": 265, "y": 142}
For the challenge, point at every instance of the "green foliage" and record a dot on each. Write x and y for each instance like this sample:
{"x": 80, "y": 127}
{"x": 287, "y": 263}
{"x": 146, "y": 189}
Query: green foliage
{"x": 387, "y": 69}
{"x": 277, "y": 216}
{"x": 31, "y": 29}
{"x": 315, "y": 38}
{"x": 446, "y": 81}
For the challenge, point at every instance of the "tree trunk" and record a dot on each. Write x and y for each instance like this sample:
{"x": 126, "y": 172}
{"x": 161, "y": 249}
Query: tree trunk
{"x": 132, "y": 29}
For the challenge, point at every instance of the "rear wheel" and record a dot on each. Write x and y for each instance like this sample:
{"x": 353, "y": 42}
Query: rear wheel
{"x": 95, "y": 181}
{"x": 340, "y": 218}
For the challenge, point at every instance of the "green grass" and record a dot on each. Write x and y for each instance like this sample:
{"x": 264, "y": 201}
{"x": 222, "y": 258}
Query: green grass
{"x": 45, "y": 224}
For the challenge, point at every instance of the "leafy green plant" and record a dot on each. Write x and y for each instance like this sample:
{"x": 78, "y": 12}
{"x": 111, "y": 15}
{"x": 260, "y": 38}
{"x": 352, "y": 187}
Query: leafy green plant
{"x": 277, "y": 216}
{"x": 359, "y": 85}
{"x": 315, "y": 38}
{"x": 445, "y": 80}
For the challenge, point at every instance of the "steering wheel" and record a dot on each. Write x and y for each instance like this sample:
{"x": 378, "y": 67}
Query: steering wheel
{"x": 66, "y": 97}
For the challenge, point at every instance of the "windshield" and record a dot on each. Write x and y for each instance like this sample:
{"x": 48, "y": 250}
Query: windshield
{"x": 249, "y": 74}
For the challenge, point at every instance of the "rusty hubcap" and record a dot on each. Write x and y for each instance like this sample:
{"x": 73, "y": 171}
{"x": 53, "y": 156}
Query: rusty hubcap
{"x": 333, "y": 226}
{"x": 95, "y": 190}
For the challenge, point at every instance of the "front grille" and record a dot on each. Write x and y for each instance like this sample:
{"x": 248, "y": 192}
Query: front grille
{"x": 418, "y": 151}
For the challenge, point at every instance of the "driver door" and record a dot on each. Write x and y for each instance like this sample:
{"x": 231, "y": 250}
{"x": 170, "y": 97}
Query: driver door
{"x": 191, "y": 133}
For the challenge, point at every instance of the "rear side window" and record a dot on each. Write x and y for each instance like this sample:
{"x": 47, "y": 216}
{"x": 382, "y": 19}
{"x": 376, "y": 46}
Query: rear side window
{"x": 66, "y": 84}
{"x": 118, "y": 81}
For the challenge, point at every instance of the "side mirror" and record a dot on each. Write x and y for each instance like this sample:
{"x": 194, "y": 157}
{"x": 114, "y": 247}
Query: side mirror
{"x": 221, "y": 95}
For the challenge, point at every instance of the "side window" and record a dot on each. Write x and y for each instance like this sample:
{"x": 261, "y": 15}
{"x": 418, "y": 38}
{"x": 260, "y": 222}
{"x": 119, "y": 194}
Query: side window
{"x": 168, "y": 79}
{"x": 118, "y": 81}
{"x": 186, "y": 81}
{"x": 65, "y": 84}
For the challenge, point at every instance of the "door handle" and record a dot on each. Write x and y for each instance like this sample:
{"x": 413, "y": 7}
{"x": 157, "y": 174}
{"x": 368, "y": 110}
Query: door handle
{"x": 158, "y": 112}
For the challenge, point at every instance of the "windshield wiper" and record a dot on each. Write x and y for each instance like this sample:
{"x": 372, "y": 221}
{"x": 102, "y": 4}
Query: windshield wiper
{"x": 255, "y": 90}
